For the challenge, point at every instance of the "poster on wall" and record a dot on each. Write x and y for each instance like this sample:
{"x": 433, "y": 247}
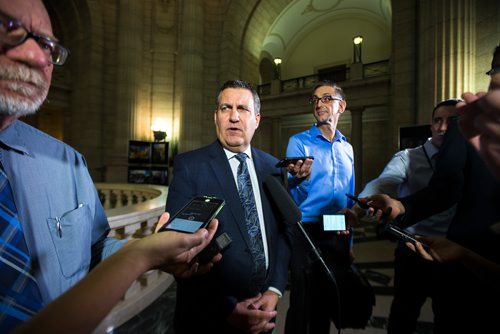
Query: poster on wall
{"x": 139, "y": 175}
{"x": 159, "y": 153}
{"x": 139, "y": 151}
{"x": 159, "y": 176}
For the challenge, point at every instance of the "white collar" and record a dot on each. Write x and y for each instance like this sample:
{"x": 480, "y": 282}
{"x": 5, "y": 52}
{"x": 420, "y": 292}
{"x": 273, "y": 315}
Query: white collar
{"x": 430, "y": 148}
{"x": 231, "y": 155}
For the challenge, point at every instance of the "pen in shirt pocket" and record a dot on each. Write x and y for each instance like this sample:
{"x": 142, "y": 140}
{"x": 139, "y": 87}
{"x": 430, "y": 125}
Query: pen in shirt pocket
{"x": 58, "y": 220}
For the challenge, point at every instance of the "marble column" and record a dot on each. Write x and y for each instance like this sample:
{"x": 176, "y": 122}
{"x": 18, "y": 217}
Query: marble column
{"x": 191, "y": 60}
{"x": 128, "y": 64}
{"x": 446, "y": 52}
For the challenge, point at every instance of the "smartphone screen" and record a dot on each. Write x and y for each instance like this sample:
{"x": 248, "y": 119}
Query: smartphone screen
{"x": 336, "y": 222}
{"x": 195, "y": 215}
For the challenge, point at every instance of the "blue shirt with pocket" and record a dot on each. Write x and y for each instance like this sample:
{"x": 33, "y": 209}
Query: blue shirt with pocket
{"x": 62, "y": 217}
{"x": 332, "y": 174}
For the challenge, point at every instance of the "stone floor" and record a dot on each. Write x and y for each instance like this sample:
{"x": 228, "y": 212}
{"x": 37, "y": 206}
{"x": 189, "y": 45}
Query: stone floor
{"x": 374, "y": 257}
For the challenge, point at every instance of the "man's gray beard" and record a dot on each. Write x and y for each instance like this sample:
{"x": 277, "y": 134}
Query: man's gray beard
{"x": 26, "y": 99}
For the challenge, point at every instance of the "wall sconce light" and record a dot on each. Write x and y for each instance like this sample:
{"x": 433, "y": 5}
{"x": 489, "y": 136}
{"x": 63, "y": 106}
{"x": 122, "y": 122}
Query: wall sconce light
{"x": 357, "y": 40}
{"x": 158, "y": 128}
{"x": 277, "y": 73}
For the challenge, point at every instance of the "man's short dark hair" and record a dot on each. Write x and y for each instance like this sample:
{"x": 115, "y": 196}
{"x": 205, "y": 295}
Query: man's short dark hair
{"x": 445, "y": 103}
{"x": 338, "y": 90}
{"x": 244, "y": 85}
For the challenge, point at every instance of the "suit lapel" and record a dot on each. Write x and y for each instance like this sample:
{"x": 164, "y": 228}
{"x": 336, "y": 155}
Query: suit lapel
{"x": 259, "y": 164}
{"x": 222, "y": 171}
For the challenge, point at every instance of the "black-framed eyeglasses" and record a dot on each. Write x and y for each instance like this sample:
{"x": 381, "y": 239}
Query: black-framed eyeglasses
{"x": 325, "y": 99}
{"x": 13, "y": 33}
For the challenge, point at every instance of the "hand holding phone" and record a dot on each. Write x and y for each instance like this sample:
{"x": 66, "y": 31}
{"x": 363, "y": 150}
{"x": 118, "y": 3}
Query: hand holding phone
{"x": 196, "y": 214}
{"x": 335, "y": 222}
{"x": 402, "y": 234}
{"x": 214, "y": 247}
{"x": 355, "y": 198}
{"x": 292, "y": 160}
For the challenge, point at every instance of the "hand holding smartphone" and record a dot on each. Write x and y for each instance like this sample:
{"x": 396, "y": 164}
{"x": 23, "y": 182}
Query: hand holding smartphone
{"x": 402, "y": 234}
{"x": 355, "y": 198}
{"x": 216, "y": 246}
{"x": 196, "y": 214}
{"x": 335, "y": 222}
{"x": 292, "y": 160}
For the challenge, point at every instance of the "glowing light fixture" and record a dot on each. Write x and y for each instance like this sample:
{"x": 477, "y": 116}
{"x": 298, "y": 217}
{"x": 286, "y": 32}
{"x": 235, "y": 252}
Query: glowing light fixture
{"x": 159, "y": 126}
{"x": 277, "y": 72}
{"x": 357, "y": 40}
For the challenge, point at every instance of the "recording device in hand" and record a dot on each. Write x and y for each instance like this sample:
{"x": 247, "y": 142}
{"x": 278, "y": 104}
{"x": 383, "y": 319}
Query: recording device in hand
{"x": 216, "y": 246}
{"x": 196, "y": 214}
{"x": 356, "y": 199}
{"x": 402, "y": 234}
{"x": 292, "y": 160}
{"x": 335, "y": 222}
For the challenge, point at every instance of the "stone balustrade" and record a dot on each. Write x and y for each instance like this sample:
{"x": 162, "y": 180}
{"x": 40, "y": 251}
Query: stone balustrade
{"x": 133, "y": 211}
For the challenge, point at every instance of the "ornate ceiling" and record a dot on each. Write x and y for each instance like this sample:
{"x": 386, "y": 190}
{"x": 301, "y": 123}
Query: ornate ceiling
{"x": 330, "y": 24}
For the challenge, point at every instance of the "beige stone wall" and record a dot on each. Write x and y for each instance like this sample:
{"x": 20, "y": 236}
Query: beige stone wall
{"x": 133, "y": 62}
{"x": 123, "y": 76}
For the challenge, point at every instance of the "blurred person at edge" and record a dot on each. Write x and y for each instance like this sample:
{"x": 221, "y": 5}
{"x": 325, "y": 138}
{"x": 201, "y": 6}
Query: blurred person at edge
{"x": 466, "y": 303}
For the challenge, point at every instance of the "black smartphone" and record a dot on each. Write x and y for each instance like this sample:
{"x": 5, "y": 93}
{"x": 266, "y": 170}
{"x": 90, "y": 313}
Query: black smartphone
{"x": 196, "y": 214}
{"x": 335, "y": 222}
{"x": 402, "y": 234}
{"x": 216, "y": 246}
{"x": 291, "y": 160}
{"x": 356, "y": 199}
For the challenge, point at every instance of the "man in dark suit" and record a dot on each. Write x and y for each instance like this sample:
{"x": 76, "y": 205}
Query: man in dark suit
{"x": 230, "y": 299}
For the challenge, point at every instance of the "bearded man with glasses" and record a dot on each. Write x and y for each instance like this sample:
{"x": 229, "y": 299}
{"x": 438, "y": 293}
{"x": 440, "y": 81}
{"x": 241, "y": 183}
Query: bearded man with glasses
{"x": 53, "y": 231}
{"x": 319, "y": 190}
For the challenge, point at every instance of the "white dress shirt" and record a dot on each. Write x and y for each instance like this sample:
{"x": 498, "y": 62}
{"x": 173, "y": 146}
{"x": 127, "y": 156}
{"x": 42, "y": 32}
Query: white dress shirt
{"x": 409, "y": 171}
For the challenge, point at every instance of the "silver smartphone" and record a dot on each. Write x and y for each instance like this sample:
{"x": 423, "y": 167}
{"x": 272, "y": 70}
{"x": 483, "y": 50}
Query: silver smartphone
{"x": 402, "y": 234}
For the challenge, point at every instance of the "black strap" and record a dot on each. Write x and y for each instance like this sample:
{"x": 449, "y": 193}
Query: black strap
{"x": 428, "y": 158}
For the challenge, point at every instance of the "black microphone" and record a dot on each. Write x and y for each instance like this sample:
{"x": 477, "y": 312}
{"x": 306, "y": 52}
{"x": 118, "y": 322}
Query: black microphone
{"x": 291, "y": 212}
{"x": 283, "y": 200}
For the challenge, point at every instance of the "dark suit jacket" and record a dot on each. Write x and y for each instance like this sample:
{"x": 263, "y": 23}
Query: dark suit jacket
{"x": 203, "y": 303}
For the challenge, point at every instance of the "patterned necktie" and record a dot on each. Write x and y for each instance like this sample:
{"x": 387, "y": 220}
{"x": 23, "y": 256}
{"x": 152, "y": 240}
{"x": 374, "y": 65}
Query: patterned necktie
{"x": 19, "y": 294}
{"x": 252, "y": 221}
